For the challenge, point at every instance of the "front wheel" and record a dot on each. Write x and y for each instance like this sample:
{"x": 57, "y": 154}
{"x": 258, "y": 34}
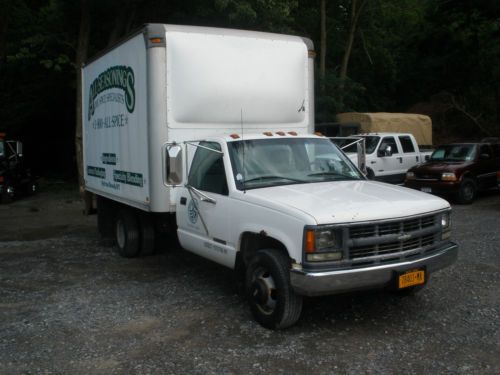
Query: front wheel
{"x": 272, "y": 300}
{"x": 467, "y": 191}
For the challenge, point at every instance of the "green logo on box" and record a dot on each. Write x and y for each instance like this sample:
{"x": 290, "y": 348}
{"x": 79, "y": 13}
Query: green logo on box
{"x": 116, "y": 77}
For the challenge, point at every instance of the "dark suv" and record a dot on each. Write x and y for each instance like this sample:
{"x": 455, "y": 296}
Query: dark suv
{"x": 459, "y": 170}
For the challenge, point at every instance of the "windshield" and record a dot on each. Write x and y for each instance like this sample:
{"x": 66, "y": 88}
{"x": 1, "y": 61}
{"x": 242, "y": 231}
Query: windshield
{"x": 454, "y": 153}
{"x": 273, "y": 162}
{"x": 2, "y": 151}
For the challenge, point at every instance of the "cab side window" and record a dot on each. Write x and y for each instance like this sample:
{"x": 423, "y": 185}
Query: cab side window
{"x": 207, "y": 171}
{"x": 406, "y": 143}
{"x": 389, "y": 141}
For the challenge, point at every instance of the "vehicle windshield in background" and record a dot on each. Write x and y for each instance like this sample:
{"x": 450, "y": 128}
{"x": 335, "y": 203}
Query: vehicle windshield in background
{"x": 342, "y": 142}
{"x": 2, "y": 152}
{"x": 272, "y": 162}
{"x": 454, "y": 153}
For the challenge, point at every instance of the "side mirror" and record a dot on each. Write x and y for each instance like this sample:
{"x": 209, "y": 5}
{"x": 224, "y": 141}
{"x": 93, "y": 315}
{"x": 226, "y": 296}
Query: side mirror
{"x": 386, "y": 151}
{"x": 174, "y": 164}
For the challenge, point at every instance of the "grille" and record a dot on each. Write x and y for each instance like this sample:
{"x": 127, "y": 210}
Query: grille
{"x": 388, "y": 241}
{"x": 428, "y": 176}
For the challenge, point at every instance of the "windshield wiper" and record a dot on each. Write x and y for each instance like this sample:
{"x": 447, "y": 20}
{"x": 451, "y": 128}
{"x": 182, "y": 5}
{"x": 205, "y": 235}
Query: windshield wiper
{"x": 270, "y": 177}
{"x": 325, "y": 173}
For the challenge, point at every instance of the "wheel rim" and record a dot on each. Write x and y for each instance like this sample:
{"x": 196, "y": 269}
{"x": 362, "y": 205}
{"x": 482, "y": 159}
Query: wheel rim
{"x": 468, "y": 191}
{"x": 263, "y": 291}
{"x": 10, "y": 190}
{"x": 120, "y": 234}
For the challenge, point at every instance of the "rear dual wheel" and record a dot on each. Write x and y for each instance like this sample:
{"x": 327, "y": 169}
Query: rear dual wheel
{"x": 134, "y": 234}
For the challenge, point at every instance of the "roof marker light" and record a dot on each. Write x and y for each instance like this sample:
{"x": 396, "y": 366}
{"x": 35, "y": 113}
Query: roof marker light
{"x": 155, "y": 40}
{"x": 269, "y": 134}
{"x": 234, "y": 136}
{"x": 280, "y": 133}
{"x": 292, "y": 133}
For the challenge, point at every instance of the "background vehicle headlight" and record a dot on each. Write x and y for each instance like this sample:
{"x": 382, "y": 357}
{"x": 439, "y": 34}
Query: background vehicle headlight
{"x": 448, "y": 176}
{"x": 410, "y": 176}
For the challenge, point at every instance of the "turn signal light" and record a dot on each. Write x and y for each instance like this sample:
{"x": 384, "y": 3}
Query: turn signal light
{"x": 155, "y": 40}
{"x": 310, "y": 241}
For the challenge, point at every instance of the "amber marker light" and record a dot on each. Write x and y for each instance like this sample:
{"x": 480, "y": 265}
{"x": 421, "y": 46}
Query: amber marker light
{"x": 310, "y": 241}
{"x": 269, "y": 134}
{"x": 292, "y": 133}
{"x": 155, "y": 40}
{"x": 280, "y": 133}
{"x": 234, "y": 136}
{"x": 311, "y": 53}
{"x": 319, "y": 134}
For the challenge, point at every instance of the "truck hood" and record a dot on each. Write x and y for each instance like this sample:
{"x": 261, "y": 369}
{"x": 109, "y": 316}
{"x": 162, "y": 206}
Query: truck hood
{"x": 349, "y": 201}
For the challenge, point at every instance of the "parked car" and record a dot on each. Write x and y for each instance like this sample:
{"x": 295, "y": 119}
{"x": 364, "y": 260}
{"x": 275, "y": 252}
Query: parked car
{"x": 388, "y": 155}
{"x": 15, "y": 177}
{"x": 458, "y": 170}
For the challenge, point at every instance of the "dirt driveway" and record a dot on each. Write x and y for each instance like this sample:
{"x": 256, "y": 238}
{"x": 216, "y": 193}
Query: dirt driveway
{"x": 69, "y": 304}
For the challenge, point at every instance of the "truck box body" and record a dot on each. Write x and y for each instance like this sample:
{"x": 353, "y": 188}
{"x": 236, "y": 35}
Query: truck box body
{"x": 418, "y": 125}
{"x": 170, "y": 84}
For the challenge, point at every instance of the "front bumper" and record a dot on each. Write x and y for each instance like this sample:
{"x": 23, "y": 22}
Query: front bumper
{"x": 375, "y": 277}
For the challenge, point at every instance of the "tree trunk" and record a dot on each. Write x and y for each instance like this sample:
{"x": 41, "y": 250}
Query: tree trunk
{"x": 81, "y": 56}
{"x": 322, "y": 59}
{"x": 6, "y": 7}
{"x": 355, "y": 13}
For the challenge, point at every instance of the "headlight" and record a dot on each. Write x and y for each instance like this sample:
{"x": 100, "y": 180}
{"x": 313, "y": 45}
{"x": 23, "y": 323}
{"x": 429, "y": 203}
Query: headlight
{"x": 324, "y": 239}
{"x": 448, "y": 176}
{"x": 446, "y": 225}
{"x": 323, "y": 245}
{"x": 410, "y": 176}
{"x": 445, "y": 220}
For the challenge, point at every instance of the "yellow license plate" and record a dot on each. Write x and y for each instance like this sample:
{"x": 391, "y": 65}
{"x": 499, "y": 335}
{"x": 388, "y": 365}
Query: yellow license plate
{"x": 411, "y": 278}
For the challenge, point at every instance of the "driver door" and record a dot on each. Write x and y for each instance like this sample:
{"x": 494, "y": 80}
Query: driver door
{"x": 203, "y": 207}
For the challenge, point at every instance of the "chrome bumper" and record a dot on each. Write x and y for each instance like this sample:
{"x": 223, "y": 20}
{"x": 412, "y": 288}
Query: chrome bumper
{"x": 380, "y": 276}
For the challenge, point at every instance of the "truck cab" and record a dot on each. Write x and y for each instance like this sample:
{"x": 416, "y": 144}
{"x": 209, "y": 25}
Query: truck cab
{"x": 390, "y": 155}
{"x": 296, "y": 217}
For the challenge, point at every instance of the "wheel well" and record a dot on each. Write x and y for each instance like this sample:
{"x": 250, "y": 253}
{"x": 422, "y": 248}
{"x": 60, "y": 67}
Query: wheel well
{"x": 251, "y": 243}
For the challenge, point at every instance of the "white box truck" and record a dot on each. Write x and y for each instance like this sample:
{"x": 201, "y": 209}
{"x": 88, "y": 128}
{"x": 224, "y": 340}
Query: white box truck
{"x": 206, "y": 134}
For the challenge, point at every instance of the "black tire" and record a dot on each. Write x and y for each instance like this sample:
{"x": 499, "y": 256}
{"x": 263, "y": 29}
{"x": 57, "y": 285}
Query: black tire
{"x": 147, "y": 234}
{"x": 127, "y": 234}
{"x": 370, "y": 174}
{"x": 467, "y": 191}
{"x": 272, "y": 300}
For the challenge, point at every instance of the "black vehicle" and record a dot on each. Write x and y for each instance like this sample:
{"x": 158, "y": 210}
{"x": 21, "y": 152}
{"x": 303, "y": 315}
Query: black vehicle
{"x": 15, "y": 177}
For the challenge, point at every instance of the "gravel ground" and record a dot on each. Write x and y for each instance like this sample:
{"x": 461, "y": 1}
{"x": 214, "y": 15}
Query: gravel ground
{"x": 69, "y": 304}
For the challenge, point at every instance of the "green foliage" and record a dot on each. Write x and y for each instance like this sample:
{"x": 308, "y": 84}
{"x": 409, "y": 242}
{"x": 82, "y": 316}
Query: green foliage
{"x": 404, "y": 52}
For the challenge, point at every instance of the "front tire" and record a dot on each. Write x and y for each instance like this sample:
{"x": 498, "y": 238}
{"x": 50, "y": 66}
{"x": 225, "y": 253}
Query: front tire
{"x": 127, "y": 234}
{"x": 272, "y": 300}
{"x": 467, "y": 191}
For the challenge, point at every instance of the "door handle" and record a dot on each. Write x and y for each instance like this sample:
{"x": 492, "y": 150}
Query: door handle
{"x": 400, "y": 159}
{"x": 183, "y": 201}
